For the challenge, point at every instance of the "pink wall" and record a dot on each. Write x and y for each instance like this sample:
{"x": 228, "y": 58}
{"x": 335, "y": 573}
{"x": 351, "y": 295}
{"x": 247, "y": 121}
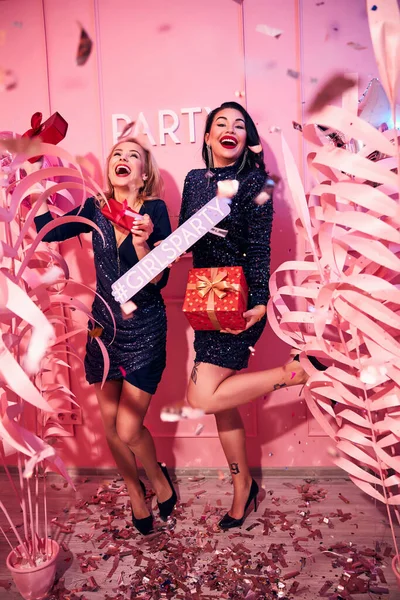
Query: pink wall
{"x": 170, "y": 56}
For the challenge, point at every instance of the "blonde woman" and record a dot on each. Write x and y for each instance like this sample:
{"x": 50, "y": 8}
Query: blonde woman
{"x": 137, "y": 352}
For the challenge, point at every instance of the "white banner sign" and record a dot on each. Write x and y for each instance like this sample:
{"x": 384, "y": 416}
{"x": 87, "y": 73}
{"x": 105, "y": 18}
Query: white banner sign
{"x": 173, "y": 246}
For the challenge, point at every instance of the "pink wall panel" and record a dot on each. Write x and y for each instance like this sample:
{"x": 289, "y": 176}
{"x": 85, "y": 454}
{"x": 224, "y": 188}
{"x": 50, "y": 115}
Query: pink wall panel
{"x": 23, "y": 51}
{"x": 169, "y": 56}
{"x": 156, "y": 56}
{"x": 73, "y": 88}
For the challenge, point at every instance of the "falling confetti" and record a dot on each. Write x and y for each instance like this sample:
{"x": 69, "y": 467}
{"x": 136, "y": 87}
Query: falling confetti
{"x": 84, "y": 48}
{"x": 297, "y": 126}
{"x": 127, "y": 130}
{"x": 261, "y": 199}
{"x": 128, "y": 308}
{"x": 227, "y": 188}
{"x": 374, "y": 7}
{"x": 8, "y": 80}
{"x": 172, "y": 414}
{"x": 199, "y": 429}
{"x": 253, "y": 350}
{"x": 96, "y": 332}
{"x": 256, "y": 149}
{"x": 292, "y": 73}
{"x": 271, "y": 31}
{"x": 356, "y": 46}
{"x": 123, "y": 371}
{"x": 334, "y": 87}
{"x": 20, "y": 145}
{"x": 163, "y": 28}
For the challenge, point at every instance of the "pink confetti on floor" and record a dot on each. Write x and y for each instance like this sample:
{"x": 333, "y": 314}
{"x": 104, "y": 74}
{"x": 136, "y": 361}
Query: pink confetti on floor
{"x": 189, "y": 556}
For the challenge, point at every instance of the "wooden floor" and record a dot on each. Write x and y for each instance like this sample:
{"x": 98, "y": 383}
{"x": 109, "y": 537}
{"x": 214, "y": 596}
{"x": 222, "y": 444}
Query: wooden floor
{"x": 309, "y": 539}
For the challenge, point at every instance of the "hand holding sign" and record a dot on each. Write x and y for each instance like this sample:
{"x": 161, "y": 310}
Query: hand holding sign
{"x": 175, "y": 244}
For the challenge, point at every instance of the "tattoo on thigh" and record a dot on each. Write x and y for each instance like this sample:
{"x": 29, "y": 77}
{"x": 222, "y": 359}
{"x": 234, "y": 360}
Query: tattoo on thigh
{"x": 278, "y": 386}
{"x": 194, "y": 372}
{"x": 234, "y": 467}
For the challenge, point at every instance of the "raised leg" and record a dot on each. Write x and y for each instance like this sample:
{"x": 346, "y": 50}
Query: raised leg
{"x": 210, "y": 391}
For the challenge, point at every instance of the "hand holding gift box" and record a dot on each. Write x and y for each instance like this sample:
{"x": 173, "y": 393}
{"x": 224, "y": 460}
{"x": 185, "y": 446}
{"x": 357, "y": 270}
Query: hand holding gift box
{"x": 120, "y": 213}
{"x": 216, "y": 298}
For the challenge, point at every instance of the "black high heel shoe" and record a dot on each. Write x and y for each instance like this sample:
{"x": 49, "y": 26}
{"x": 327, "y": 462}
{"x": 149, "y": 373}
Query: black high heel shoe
{"x": 228, "y": 522}
{"x": 168, "y": 506}
{"x": 144, "y": 526}
{"x": 318, "y": 365}
{"x": 314, "y": 361}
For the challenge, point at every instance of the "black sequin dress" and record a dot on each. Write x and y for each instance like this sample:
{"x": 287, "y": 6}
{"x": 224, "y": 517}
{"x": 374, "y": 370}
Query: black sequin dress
{"x": 139, "y": 343}
{"x": 247, "y": 244}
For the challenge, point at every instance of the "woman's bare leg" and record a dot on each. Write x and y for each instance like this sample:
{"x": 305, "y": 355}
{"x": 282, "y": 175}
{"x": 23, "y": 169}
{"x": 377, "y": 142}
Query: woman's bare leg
{"x": 211, "y": 393}
{"x": 233, "y": 441}
{"x": 231, "y": 434}
{"x": 108, "y": 398}
{"x": 131, "y": 412}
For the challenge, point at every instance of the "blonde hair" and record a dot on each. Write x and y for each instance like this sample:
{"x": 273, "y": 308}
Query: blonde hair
{"x": 152, "y": 187}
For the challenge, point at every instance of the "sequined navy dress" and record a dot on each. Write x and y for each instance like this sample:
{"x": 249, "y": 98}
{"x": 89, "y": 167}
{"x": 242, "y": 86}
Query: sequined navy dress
{"x": 139, "y": 343}
{"x": 247, "y": 244}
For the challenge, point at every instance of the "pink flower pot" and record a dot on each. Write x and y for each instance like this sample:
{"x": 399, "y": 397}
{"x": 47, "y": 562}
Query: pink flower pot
{"x": 34, "y": 583}
{"x": 396, "y": 568}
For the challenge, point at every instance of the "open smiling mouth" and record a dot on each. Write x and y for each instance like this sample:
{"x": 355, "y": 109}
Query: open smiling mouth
{"x": 228, "y": 141}
{"x": 122, "y": 170}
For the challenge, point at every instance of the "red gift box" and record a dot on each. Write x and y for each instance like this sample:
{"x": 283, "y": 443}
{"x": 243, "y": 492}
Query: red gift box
{"x": 51, "y": 131}
{"x": 216, "y": 298}
{"x": 120, "y": 213}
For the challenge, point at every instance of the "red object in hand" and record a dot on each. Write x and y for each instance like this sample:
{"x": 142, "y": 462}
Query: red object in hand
{"x": 216, "y": 298}
{"x": 51, "y": 131}
{"x": 120, "y": 213}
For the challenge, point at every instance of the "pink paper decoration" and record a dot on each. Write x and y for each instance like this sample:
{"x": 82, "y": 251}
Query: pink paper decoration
{"x": 33, "y": 331}
{"x": 348, "y": 285}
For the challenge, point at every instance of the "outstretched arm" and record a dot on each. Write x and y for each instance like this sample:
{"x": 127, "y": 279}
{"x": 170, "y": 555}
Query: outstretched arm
{"x": 67, "y": 230}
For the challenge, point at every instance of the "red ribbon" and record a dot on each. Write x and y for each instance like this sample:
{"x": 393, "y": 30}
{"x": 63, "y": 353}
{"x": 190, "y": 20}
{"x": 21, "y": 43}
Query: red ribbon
{"x": 36, "y": 125}
{"x": 122, "y": 211}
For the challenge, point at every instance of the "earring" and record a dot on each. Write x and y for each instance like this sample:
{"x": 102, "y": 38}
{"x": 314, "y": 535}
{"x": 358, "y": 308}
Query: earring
{"x": 244, "y": 160}
{"x": 210, "y": 159}
{"x": 144, "y": 177}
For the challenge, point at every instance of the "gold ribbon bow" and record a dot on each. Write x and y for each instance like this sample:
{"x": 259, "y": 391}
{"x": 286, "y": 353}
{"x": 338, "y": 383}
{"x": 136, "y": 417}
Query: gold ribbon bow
{"x": 214, "y": 286}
